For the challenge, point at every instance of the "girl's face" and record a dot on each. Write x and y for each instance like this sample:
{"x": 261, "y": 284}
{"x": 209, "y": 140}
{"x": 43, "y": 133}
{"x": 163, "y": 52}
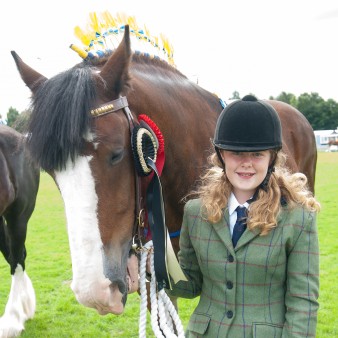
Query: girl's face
{"x": 245, "y": 171}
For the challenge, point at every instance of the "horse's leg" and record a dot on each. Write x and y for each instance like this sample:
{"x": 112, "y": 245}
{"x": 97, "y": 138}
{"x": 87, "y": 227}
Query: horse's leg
{"x": 3, "y": 239}
{"x": 21, "y": 301}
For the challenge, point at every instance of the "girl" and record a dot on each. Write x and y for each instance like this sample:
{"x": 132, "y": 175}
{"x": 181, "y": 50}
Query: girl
{"x": 262, "y": 282}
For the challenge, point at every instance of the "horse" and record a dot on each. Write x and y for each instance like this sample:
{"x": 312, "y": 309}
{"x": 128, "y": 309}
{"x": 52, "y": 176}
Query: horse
{"x": 83, "y": 123}
{"x": 19, "y": 184}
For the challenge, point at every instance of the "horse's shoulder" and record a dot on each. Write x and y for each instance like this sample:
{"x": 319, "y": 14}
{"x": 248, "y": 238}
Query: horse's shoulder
{"x": 10, "y": 138}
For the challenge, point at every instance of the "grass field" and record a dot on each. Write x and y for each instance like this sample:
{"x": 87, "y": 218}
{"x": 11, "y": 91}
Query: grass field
{"x": 48, "y": 264}
{"x": 326, "y": 193}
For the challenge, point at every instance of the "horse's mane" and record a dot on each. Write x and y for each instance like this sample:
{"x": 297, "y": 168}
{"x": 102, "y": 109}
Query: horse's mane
{"x": 60, "y": 117}
{"x": 60, "y": 109}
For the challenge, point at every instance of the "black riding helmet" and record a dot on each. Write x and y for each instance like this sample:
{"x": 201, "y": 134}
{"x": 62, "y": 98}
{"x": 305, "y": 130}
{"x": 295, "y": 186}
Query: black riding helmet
{"x": 248, "y": 125}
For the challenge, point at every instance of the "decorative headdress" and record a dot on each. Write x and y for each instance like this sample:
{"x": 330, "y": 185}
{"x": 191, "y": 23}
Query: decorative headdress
{"x": 104, "y": 32}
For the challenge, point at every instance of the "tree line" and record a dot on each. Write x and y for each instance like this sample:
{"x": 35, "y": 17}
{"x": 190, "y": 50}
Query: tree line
{"x": 322, "y": 114}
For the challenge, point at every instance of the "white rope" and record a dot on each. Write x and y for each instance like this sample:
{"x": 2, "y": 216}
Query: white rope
{"x": 164, "y": 317}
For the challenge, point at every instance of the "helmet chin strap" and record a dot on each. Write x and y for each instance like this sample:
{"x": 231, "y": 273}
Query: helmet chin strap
{"x": 271, "y": 169}
{"x": 219, "y": 156}
{"x": 264, "y": 184}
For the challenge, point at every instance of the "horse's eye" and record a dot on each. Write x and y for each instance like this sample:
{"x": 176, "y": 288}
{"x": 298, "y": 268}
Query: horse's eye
{"x": 116, "y": 156}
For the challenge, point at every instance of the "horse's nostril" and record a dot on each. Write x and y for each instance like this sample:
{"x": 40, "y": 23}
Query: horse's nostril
{"x": 122, "y": 287}
{"x": 124, "y": 299}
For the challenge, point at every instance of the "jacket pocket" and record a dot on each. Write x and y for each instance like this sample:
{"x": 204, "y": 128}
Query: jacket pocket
{"x": 266, "y": 330}
{"x": 199, "y": 323}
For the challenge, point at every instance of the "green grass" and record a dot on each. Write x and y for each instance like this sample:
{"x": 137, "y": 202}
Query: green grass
{"x": 48, "y": 264}
{"x": 326, "y": 193}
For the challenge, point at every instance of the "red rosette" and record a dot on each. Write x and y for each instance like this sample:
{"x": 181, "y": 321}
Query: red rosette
{"x": 156, "y": 130}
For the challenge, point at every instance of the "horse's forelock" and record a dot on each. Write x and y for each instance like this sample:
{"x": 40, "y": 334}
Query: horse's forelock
{"x": 60, "y": 117}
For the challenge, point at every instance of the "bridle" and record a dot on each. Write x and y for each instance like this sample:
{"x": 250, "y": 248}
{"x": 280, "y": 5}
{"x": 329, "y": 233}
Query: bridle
{"x": 110, "y": 107}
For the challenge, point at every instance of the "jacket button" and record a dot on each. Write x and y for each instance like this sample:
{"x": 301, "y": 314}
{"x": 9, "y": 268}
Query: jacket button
{"x": 229, "y": 284}
{"x": 231, "y": 258}
{"x": 230, "y": 314}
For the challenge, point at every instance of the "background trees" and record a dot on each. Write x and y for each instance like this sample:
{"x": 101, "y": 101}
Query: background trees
{"x": 322, "y": 115}
{"x": 12, "y": 115}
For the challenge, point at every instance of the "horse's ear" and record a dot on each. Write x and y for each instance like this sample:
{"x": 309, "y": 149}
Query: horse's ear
{"x": 31, "y": 77}
{"x": 115, "y": 72}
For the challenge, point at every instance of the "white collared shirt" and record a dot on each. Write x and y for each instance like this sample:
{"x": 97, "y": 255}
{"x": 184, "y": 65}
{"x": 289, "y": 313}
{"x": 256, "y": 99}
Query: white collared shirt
{"x": 232, "y": 205}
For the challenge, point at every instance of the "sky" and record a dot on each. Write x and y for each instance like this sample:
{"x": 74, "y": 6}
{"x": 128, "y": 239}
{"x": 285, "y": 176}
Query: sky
{"x": 263, "y": 47}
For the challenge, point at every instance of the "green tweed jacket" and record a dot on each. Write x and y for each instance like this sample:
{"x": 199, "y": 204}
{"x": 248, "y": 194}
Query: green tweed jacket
{"x": 266, "y": 287}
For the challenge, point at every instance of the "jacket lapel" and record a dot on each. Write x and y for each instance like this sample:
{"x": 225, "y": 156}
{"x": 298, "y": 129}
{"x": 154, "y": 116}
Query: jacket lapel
{"x": 247, "y": 237}
{"x": 250, "y": 235}
{"x": 223, "y": 230}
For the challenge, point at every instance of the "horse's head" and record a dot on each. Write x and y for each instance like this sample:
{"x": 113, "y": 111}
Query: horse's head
{"x": 86, "y": 146}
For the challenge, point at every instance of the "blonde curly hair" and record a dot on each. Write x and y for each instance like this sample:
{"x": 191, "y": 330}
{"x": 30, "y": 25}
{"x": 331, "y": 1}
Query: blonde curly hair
{"x": 214, "y": 190}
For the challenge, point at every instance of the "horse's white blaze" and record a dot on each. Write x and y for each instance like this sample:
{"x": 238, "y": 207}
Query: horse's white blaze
{"x": 91, "y": 287}
{"x": 20, "y": 306}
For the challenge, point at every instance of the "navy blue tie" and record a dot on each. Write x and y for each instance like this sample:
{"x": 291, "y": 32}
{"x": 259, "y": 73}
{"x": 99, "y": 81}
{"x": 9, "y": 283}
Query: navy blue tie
{"x": 240, "y": 225}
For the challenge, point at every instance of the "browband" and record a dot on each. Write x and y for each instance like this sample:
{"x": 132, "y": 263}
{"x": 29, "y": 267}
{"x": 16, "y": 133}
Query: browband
{"x": 110, "y": 107}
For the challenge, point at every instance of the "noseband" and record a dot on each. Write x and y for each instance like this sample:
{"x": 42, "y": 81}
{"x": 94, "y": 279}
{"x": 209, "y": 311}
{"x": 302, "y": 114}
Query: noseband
{"x": 113, "y": 106}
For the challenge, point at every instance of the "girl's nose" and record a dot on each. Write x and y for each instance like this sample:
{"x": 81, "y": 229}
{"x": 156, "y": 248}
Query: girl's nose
{"x": 246, "y": 161}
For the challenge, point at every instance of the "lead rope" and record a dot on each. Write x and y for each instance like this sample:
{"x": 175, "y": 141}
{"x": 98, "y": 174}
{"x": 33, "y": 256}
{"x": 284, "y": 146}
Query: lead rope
{"x": 164, "y": 317}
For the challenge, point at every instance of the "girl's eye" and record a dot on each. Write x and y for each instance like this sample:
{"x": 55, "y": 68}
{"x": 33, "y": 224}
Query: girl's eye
{"x": 257, "y": 154}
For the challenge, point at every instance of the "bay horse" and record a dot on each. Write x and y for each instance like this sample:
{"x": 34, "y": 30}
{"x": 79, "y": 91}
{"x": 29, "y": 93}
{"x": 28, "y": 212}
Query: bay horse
{"x": 19, "y": 183}
{"x": 82, "y": 125}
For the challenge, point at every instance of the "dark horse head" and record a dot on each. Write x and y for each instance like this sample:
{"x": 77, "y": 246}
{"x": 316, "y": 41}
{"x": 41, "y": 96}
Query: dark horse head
{"x": 91, "y": 163}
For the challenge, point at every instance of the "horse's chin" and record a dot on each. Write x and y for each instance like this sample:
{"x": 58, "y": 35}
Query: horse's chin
{"x": 132, "y": 274}
{"x": 115, "y": 304}
{"x": 117, "y": 307}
